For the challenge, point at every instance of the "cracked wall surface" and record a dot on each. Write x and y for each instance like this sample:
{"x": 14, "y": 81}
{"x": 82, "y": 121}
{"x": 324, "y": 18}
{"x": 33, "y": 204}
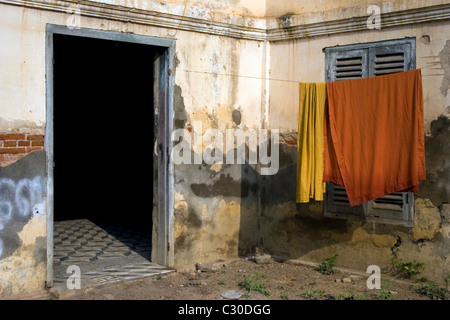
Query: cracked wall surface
{"x": 300, "y": 231}
{"x": 222, "y": 210}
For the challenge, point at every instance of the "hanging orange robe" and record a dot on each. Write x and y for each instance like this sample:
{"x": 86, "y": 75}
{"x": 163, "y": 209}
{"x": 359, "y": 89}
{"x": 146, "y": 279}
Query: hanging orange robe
{"x": 374, "y": 135}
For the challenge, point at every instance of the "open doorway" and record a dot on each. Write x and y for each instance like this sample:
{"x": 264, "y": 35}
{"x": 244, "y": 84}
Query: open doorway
{"x": 103, "y": 108}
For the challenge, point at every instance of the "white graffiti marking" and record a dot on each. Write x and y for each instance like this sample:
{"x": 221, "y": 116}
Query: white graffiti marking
{"x": 28, "y": 194}
{"x": 7, "y": 187}
{"x": 22, "y": 199}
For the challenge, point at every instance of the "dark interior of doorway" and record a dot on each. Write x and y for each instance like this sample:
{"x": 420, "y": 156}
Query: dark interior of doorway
{"x": 103, "y": 132}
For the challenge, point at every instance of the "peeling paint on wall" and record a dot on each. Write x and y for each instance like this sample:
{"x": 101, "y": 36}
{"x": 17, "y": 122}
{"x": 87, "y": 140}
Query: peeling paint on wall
{"x": 221, "y": 210}
{"x": 300, "y": 231}
{"x": 24, "y": 271}
{"x": 436, "y": 187}
{"x": 224, "y": 186}
{"x": 444, "y": 57}
{"x": 23, "y": 241}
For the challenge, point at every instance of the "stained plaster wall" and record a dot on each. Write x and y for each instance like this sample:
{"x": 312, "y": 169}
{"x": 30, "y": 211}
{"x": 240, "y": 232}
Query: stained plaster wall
{"x": 300, "y": 230}
{"x": 210, "y": 10}
{"x": 310, "y": 11}
{"x": 217, "y": 82}
{"x": 212, "y": 200}
{"x": 220, "y": 210}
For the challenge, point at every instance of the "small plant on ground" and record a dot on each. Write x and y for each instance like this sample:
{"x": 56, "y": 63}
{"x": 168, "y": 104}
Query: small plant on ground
{"x": 255, "y": 284}
{"x": 387, "y": 294}
{"x": 351, "y": 295}
{"x": 407, "y": 269}
{"x": 282, "y": 286}
{"x": 433, "y": 291}
{"x": 312, "y": 295}
{"x": 327, "y": 266}
{"x": 284, "y": 297}
{"x": 421, "y": 280}
{"x": 221, "y": 283}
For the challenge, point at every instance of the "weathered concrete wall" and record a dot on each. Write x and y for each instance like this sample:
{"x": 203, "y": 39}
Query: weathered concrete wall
{"x": 23, "y": 241}
{"x": 218, "y": 82}
{"x": 312, "y": 11}
{"x": 221, "y": 210}
{"x": 215, "y": 212}
{"x": 210, "y": 10}
{"x": 301, "y": 230}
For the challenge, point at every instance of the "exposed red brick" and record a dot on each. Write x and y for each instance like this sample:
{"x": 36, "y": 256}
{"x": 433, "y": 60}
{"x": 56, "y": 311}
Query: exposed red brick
{"x": 12, "y": 136}
{"x": 35, "y": 137}
{"x": 12, "y": 150}
{"x": 291, "y": 142}
{"x": 37, "y": 143}
{"x": 9, "y": 143}
{"x": 23, "y": 143}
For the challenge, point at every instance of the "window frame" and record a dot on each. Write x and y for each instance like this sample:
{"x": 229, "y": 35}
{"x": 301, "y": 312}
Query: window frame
{"x": 334, "y": 200}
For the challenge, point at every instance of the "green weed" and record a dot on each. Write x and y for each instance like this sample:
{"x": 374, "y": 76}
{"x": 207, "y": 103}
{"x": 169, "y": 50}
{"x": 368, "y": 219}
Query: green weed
{"x": 351, "y": 295}
{"x": 387, "y": 294}
{"x": 314, "y": 295}
{"x": 407, "y": 269}
{"x": 327, "y": 266}
{"x": 433, "y": 291}
{"x": 255, "y": 284}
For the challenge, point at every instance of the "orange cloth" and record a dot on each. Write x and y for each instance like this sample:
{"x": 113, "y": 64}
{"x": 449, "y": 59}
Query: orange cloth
{"x": 374, "y": 135}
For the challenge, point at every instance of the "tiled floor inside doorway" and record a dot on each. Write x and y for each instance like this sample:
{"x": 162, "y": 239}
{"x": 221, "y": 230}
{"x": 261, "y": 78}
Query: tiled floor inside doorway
{"x": 104, "y": 253}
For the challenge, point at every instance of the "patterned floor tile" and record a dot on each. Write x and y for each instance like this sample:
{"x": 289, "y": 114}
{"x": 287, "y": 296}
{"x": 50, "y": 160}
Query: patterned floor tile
{"x": 95, "y": 248}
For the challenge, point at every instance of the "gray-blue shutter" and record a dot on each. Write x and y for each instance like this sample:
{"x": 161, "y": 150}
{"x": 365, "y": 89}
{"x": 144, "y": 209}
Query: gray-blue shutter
{"x": 360, "y": 61}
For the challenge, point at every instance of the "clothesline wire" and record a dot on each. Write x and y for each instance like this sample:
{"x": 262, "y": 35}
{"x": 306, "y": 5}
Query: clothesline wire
{"x": 236, "y": 75}
{"x": 255, "y": 77}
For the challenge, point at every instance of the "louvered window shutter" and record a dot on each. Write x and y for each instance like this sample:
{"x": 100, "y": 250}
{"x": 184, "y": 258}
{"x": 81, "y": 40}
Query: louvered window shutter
{"x": 360, "y": 61}
{"x": 391, "y": 59}
{"x": 347, "y": 65}
{"x": 336, "y": 204}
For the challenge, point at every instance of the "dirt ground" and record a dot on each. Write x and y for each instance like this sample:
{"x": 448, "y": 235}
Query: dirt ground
{"x": 273, "y": 280}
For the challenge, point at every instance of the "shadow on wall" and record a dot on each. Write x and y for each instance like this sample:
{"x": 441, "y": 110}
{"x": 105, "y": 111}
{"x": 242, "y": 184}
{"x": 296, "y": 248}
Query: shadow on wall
{"x": 212, "y": 197}
{"x": 437, "y": 159}
{"x": 289, "y": 230}
{"x": 284, "y": 228}
{"x": 224, "y": 210}
{"x": 207, "y": 216}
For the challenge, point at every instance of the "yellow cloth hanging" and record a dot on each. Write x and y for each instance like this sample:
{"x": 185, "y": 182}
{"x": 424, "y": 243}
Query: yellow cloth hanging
{"x": 310, "y": 142}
